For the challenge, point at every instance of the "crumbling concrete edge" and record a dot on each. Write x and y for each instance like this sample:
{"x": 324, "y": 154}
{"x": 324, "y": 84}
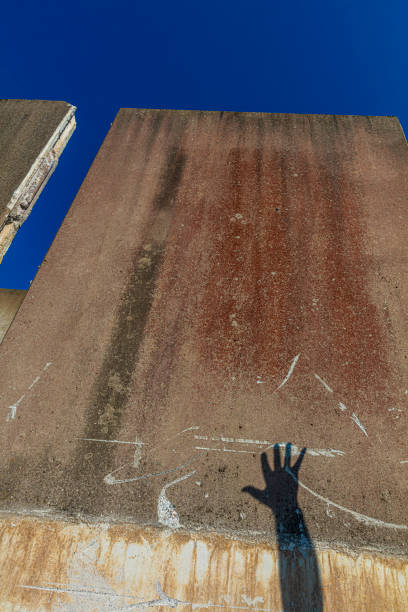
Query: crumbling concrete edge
{"x": 27, "y": 193}
{"x": 83, "y": 566}
{"x": 245, "y": 536}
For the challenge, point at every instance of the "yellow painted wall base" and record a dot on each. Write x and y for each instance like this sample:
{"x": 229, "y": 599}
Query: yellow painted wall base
{"x": 56, "y": 565}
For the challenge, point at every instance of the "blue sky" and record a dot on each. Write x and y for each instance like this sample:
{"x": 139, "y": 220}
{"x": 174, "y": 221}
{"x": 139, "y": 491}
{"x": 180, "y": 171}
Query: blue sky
{"x": 336, "y": 56}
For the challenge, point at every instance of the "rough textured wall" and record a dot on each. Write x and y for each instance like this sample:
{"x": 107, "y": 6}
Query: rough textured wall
{"x": 10, "y": 302}
{"x": 33, "y": 134}
{"x": 223, "y": 283}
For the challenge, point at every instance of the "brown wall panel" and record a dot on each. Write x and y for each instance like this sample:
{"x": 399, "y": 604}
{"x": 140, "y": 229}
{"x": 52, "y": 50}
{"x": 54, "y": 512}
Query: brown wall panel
{"x": 223, "y": 282}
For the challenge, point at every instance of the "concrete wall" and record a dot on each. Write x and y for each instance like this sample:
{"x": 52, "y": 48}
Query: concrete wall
{"x": 10, "y": 302}
{"x": 227, "y": 290}
{"x": 33, "y": 134}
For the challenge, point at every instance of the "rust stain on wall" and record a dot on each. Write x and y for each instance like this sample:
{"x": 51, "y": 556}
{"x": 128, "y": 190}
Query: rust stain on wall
{"x": 54, "y": 565}
{"x": 241, "y": 285}
{"x": 289, "y": 270}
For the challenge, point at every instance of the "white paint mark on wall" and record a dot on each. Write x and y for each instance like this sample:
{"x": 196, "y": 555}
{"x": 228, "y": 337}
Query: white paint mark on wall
{"x": 232, "y": 440}
{"x": 367, "y": 520}
{"x": 111, "y": 480}
{"x": 197, "y": 606}
{"x": 36, "y": 379}
{"x": 324, "y": 383}
{"x": 329, "y": 512}
{"x": 13, "y": 409}
{"x": 195, "y": 427}
{"x": 404, "y": 461}
{"x": 87, "y": 588}
{"x": 359, "y": 424}
{"x": 331, "y": 452}
{"x": 166, "y": 512}
{"x": 137, "y": 443}
{"x": 137, "y": 455}
{"x": 62, "y": 589}
{"x": 84, "y": 598}
{"x": 314, "y": 452}
{"x": 252, "y": 602}
{"x": 354, "y": 418}
{"x": 224, "y": 450}
{"x": 164, "y": 600}
{"x": 289, "y": 374}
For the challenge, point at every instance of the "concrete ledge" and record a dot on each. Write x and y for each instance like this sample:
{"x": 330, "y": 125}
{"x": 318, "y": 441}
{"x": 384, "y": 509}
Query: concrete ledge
{"x": 28, "y": 169}
{"x": 56, "y": 565}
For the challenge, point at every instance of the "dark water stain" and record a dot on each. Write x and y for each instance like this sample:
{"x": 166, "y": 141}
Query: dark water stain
{"x": 170, "y": 180}
{"x": 153, "y": 132}
{"x": 110, "y": 393}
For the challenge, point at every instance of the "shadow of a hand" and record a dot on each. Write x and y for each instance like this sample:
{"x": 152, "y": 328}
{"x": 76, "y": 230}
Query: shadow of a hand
{"x": 298, "y": 567}
{"x": 281, "y": 489}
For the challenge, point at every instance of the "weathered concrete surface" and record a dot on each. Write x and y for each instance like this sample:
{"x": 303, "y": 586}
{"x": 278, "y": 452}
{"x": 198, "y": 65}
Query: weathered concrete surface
{"x": 10, "y": 302}
{"x": 88, "y": 568}
{"x": 221, "y": 283}
{"x": 33, "y": 134}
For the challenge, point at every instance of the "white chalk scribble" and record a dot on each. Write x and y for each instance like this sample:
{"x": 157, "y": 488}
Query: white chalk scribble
{"x": 13, "y": 408}
{"x": 289, "y": 374}
{"x": 84, "y": 597}
{"x": 324, "y": 383}
{"x": 232, "y": 440}
{"x": 36, "y": 379}
{"x": 224, "y": 450}
{"x": 166, "y": 513}
{"x": 87, "y": 589}
{"x": 264, "y": 445}
{"x": 362, "y": 518}
{"x": 111, "y": 480}
{"x": 112, "y": 441}
{"x": 359, "y": 424}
